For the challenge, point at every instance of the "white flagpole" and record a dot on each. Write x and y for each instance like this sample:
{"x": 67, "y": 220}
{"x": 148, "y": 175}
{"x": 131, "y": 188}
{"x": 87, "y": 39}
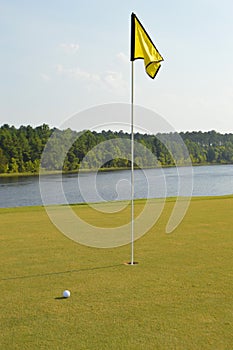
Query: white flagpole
{"x": 132, "y": 163}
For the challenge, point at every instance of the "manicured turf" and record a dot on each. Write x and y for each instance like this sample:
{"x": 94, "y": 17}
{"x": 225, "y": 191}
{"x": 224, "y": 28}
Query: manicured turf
{"x": 179, "y": 296}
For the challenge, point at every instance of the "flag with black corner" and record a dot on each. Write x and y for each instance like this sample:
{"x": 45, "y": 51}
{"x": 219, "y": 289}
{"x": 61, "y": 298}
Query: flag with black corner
{"x": 142, "y": 47}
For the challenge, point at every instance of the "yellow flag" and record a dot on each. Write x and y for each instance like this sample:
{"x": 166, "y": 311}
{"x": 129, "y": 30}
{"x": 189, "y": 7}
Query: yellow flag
{"x": 142, "y": 47}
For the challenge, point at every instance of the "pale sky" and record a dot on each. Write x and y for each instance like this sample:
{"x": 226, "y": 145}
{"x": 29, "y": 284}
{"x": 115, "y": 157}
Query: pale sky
{"x": 61, "y": 57}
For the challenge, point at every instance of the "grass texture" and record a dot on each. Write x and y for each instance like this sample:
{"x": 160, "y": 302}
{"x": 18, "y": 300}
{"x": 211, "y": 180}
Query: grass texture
{"x": 179, "y": 296}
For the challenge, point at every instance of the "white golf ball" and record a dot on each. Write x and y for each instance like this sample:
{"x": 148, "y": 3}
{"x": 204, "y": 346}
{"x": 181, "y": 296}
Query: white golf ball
{"x": 66, "y": 294}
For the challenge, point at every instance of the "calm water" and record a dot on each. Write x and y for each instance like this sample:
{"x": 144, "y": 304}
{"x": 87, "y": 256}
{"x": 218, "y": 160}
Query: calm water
{"x": 105, "y": 186}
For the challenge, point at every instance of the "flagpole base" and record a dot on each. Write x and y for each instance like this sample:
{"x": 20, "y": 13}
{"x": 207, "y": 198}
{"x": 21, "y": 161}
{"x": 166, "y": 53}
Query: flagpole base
{"x": 131, "y": 263}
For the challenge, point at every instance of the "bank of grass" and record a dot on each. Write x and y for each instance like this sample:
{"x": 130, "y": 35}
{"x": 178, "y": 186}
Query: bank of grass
{"x": 179, "y": 296}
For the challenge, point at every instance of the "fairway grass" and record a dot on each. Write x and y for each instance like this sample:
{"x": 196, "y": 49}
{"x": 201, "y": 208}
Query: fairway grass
{"x": 179, "y": 296}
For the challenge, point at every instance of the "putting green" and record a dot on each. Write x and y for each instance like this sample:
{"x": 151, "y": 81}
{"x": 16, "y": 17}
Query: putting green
{"x": 179, "y": 296}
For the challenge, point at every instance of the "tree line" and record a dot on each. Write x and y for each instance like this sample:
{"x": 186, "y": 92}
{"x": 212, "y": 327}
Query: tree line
{"x": 27, "y": 149}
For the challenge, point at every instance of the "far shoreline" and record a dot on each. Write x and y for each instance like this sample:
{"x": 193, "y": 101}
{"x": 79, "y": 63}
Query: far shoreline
{"x": 86, "y": 171}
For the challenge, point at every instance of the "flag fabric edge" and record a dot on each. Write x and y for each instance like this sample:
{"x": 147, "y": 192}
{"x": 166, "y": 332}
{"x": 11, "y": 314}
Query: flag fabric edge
{"x": 132, "y": 37}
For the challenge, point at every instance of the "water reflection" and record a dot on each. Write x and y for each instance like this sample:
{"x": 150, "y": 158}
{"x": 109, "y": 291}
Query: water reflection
{"x": 24, "y": 191}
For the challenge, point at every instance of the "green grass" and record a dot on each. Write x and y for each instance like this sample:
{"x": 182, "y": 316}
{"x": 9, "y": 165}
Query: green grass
{"x": 179, "y": 296}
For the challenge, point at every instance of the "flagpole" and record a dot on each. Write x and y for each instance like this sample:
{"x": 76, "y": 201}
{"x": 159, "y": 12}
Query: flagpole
{"x": 142, "y": 47}
{"x": 132, "y": 163}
